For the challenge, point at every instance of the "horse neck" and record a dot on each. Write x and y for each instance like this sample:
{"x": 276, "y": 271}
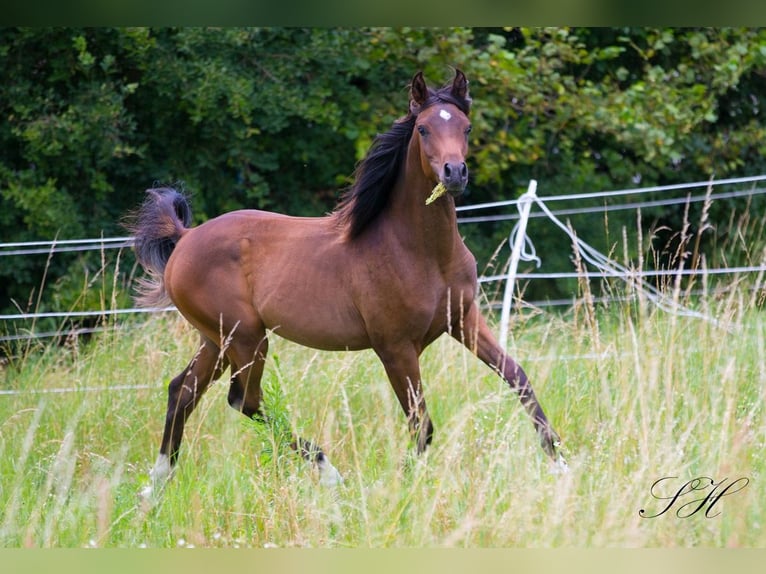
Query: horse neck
{"x": 431, "y": 229}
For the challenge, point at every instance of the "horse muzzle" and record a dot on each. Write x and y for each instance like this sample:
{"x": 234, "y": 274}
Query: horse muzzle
{"x": 455, "y": 177}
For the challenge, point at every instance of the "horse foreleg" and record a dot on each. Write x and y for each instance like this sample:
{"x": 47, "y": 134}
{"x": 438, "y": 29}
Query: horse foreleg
{"x": 478, "y": 338}
{"x": 403, "y": 370}
{"x": 184, "y": 393}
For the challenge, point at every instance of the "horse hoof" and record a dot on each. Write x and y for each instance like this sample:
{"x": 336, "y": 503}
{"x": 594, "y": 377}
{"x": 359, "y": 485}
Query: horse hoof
{"x": 158, "y": 477}
{"x": 146, "y": 494}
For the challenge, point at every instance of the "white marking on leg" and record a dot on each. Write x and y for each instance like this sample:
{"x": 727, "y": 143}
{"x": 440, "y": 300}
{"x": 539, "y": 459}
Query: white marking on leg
{"x": 158, "y": 476}
{"x": 445, "y": 115}
{"x": 161, "y": 470}
{"x": 560, "y": 466}
{"x": 328, "y": 474}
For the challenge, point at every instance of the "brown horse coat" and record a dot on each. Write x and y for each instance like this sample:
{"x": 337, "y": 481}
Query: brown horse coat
{"x": 384, "y": 271}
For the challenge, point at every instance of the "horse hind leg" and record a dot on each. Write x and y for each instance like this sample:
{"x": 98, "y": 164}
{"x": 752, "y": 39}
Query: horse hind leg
{"x": 328, "y": 474}
{"x": 246, "y": 396}
{"x": 184, "y": 393}
{"x": 247, "y": 355}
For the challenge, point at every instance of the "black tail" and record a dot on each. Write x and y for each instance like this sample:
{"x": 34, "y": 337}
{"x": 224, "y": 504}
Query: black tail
{"x": 157, "y": 226}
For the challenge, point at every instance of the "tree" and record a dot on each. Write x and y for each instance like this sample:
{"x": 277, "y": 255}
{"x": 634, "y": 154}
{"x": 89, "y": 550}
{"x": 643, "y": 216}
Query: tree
{"x": 276, "y": 118}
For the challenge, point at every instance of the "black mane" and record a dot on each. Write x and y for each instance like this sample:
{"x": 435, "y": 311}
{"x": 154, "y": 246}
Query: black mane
{"x": 375, "y": 175}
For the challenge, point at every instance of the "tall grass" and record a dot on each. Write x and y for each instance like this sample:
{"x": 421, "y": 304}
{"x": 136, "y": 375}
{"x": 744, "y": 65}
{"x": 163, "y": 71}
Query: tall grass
{"x": 636, "y": 395}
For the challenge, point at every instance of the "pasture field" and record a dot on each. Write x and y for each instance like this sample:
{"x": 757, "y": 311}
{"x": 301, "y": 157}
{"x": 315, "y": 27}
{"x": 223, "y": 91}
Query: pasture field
{"x": 637, "y": 396}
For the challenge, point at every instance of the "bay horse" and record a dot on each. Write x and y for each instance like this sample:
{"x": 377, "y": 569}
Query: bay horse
{"x": 384, "y": 271}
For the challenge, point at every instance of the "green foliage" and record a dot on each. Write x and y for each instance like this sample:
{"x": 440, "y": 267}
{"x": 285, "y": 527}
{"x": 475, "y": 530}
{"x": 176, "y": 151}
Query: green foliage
{"x": 276, "y": 118}
{"x": 272, "y": 426}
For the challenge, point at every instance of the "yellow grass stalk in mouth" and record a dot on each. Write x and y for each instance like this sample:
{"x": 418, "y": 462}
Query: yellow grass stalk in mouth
{"x": 437, "y": 192}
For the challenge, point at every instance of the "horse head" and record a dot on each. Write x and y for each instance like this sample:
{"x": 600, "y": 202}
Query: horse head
{"x": 441, "y": 130}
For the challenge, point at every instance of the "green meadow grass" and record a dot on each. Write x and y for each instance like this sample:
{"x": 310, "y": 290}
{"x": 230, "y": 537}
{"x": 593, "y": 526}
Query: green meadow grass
{"x": 636, "y": 395}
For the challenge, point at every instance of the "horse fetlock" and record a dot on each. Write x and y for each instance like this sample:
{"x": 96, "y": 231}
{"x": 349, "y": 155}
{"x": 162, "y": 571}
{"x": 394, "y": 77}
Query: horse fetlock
{"x": 162, "y": 469}
{"x": 550, "y": 444}
{"x": 559, "y": 465}
{"x": 328, "y": 474}
{"x": 421, "y": 431}
{"x": 159, "y": 475}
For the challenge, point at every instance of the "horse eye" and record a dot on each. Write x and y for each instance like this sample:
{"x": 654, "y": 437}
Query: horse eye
{"x": 468, "y": 130}
{"x": 422, "y": 131}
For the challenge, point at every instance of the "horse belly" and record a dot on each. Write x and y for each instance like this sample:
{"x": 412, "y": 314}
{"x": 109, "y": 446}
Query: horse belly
{"x": 314, "y": 320}
{"x": 307, "y": 299}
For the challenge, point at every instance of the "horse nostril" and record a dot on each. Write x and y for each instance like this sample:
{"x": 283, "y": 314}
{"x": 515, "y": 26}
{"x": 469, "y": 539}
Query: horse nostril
{"x": 455, "y": 172}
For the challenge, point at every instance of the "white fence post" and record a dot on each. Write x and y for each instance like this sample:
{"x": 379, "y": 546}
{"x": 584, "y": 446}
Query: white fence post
{"x": 525, "y": 206}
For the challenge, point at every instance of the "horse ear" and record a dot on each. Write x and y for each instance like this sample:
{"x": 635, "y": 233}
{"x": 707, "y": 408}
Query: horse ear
{"x": 418, "y": 92}
{"x": 460, "y": 85}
